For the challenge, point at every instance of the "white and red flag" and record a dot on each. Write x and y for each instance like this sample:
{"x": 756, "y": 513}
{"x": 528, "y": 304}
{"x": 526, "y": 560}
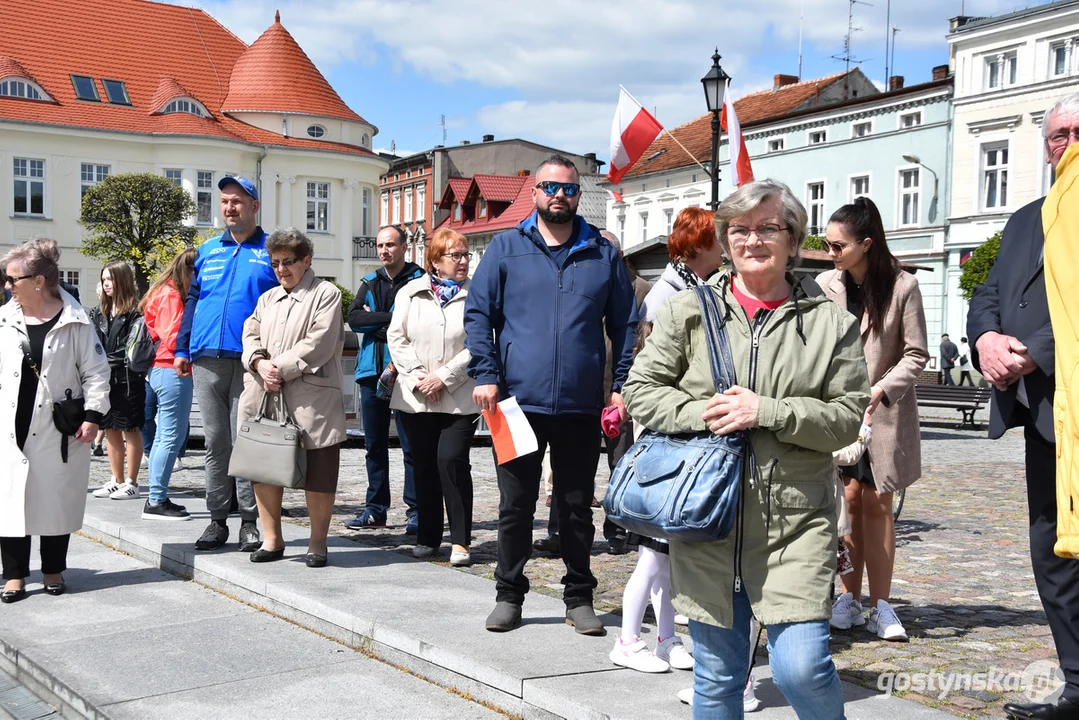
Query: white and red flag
{"x": 632, "y": 131}
{"x": 511, "y": 434}
{"x": 737, "y": 144}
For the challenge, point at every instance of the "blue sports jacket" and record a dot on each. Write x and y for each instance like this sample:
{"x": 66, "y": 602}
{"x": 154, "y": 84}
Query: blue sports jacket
{"x": 378, "y": 292}
{"x": 226, "y": 284}
{"x": 536, "y": 328}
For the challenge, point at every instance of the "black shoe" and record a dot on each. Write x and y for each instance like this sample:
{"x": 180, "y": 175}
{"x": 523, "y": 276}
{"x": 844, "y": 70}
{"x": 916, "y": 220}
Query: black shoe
{"x": 166, "y": 510}
{"x": 262, "y": 555}
{"x": 249, "y": 537}
{"x": 12, "y": 596}
{"x": 314, "y": 560}
{"x": 505, "y": 617}
{"x": 213, "y": 537}
{"x": 97, "y": 450}
{"x": 618, "y": 545}
{"x": 1065, "y": 709}
{"x": 56, "y": 588}
{"x": 549, "y": 544}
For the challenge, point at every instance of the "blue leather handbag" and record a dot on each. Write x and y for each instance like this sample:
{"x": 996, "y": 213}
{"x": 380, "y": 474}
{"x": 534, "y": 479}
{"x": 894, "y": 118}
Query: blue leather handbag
{"x": 684, "y": 487}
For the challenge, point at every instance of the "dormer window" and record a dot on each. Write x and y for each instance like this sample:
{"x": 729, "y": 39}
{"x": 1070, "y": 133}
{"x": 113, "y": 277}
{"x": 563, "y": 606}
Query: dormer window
{"x": 85, "y": 88}
{"x": 116, "y": 92}
{"x": 316, "y": 131}
{"x": 481, "y": 208}
{"x": 17, "y": 87}
{"x": 185, "y": 105}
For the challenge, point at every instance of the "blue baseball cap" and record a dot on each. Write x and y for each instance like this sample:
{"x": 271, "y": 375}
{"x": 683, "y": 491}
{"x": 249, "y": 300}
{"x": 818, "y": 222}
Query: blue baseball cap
{"x": 247, "y": 185}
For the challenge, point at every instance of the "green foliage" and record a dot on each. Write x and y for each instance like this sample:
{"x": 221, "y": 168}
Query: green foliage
{"x": 347, "y": 296}
{"x": 139, "y": 218}
{"x": 814, "y": 242}
{"x": 976, "y": 268}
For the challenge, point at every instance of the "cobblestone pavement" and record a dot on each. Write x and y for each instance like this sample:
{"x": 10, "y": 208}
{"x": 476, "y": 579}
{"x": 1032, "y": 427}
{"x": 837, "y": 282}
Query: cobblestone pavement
{"x": 963, "y": 585}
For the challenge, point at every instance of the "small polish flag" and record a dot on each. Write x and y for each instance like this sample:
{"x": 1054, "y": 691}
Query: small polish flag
{"x": 511, "y": 433}
{"x": 735, "y": 141}
{"x": 632, "y": 131}
{"x": 616, "y": 196}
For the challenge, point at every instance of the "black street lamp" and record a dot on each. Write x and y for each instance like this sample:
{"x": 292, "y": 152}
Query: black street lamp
{"x": 715, "y": 84}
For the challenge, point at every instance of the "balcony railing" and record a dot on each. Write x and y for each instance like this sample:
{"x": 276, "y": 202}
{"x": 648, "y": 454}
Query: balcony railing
{"x": 364, "y": 248}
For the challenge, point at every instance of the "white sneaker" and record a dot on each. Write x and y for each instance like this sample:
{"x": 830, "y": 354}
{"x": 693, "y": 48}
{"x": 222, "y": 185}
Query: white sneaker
{"x": 107, "y": 489}
{"x": 885, "y": 623}
{"x": 145, "y": 461}
{"x": 637, "y": 657}
{"x": 178, "y": 465}
{"x": 674, "y": 652}
{"x": 846, "y": 612}
{"x": 686, "y": 696}
{"x": 127, "y": 491}
{"x": 681, "y": 620}
{"x": 749, "y": 698}
{"x": 460, "y": 559}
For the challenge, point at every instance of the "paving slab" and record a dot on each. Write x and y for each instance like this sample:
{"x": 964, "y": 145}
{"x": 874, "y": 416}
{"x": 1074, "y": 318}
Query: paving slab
{"x": 202, "y": 651}
{"x": 427, "y": 618}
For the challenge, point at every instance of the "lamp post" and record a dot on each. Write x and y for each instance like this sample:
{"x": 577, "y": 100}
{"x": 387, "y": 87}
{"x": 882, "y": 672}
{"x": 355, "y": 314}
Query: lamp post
{"x": 912, "y": 158}
{"x": 715, "y": 84}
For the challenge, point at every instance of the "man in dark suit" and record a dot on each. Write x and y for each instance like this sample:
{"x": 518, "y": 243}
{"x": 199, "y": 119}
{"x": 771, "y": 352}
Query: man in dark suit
{"x": 1014, "y": 350}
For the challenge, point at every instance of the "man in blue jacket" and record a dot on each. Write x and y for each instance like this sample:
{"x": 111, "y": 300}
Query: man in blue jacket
{"x": 370, "y": 314}
{"x": 535, "y": 318}
{"x": 231, "y": 272}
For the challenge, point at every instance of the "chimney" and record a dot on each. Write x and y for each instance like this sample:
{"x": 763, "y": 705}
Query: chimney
{"x": 590, "y": 158}
{"x": 466, "y": 142}
{"x": 784, "y": 81}
{"x": 895, "y": 82}
{"x": 940, "y": 72}
{"x": 524, "y": 173}
{"x": 488, "y": 138}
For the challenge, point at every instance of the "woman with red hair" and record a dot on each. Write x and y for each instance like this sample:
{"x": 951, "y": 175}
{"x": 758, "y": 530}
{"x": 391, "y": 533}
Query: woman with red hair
{"x": 695, "y": 254}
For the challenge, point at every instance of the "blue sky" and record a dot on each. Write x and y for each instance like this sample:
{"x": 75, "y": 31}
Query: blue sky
{"x": 549, "y": 71}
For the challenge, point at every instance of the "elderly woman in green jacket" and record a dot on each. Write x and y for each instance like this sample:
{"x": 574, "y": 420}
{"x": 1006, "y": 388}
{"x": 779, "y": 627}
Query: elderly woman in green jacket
{"x": 802, "y": 389}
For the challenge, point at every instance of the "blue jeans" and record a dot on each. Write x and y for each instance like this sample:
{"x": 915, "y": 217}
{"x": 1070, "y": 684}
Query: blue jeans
{"x": 376, "y": 439}
{"x": 173, "y": 395}
{"x": 149, "y": 426}
{"x": 801, "y": 663}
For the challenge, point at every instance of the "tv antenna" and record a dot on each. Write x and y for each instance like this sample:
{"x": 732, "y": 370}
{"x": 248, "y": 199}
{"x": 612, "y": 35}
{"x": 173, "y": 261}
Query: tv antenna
{"x": 847, "y": 56}
{"x": 442, "y": 121}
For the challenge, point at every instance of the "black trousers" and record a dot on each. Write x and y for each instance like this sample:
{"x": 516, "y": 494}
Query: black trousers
{"x": 616, "y": 448}
{"x": 15, "y": 554}
{"x": 440, "y": 443}
{"x": 964, "y": 378}
{"x": 574, "y": 442}
{"x": 1057, "y": 578}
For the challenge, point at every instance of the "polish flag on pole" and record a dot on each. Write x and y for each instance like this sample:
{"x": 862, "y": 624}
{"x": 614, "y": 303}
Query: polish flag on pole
{"x": 616, "y": 196}
{"x": 632, "y": 131}
{"x": 735, "y": 141}
{"x": 511, "y": 433}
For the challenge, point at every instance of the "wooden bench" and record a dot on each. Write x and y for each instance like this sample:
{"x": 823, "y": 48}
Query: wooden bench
{"x": 965, "y": 399}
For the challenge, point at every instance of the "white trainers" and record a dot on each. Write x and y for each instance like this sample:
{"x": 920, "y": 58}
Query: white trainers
{"x": 885, "y": 623}
{"x": 127, "y": 491}
{"x": 178, "y": 465}
{"x": 749, "y": 698}
{"x": 674, "y": 653}
{"x": 846, "y": 612}
{"x": 145, "y": 461}
{"x": 681, "y": 620}
{"x": 107, "y": 489}
{"x": 636, "y": 656}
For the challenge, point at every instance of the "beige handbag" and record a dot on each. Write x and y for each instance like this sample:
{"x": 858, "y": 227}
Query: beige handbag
{"x": 270, "y": 451}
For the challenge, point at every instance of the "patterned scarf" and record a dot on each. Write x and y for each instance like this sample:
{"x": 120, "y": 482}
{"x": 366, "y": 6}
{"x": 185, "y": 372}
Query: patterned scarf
{"x": 687, "y": 275}
{"x": 445, "y": 290}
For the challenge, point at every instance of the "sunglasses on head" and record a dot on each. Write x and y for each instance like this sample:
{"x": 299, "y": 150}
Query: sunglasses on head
{"x": 550, "y": 188}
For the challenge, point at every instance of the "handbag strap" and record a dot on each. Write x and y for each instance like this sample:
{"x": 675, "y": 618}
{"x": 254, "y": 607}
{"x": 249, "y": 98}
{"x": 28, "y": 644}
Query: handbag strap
{"x": 283, "y": 417}
{"x": 719, "y": 348}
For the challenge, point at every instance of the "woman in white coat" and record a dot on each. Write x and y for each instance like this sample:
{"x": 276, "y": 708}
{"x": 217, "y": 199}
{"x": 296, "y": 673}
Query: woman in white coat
{"x": 433, "y": 393}
{"x": 49, "y": 352}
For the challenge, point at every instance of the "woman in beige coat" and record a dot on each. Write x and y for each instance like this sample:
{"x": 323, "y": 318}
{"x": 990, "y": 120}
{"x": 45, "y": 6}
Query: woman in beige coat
{"x": 292, "y": 345}
{"x": 869, "y": 282}
{"x": 433, "y": 393}
{"x": 42, "y": 487}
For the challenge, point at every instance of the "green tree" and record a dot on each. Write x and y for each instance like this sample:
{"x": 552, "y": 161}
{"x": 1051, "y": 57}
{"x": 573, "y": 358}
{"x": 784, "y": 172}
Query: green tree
{"x": 346, "y": 300}
{"x": 976, "y": 268}
{"x": 814, "y": 242}
{"x": 137, "y": 217}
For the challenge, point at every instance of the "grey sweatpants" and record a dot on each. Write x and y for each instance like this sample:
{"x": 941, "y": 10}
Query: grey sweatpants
{"x": 218, "y": 384}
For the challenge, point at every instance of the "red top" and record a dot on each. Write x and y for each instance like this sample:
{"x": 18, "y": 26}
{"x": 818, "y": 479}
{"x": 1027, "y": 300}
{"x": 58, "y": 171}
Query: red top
{"x": 163, "y": 315}
{"x": 751, "y": 305}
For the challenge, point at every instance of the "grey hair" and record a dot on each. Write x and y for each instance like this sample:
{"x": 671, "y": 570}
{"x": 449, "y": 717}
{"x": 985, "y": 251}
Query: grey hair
{"x": 1069, "y": 105}
{"x": 612, "y": 239}
{"x": 752, "y": 195}
{"x": 290, "y": 240}
{"x": 41, "y": 257}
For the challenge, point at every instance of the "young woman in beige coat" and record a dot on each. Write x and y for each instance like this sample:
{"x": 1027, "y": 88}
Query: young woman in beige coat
{"x": 433, "y": 393}
{"x": 292, "y": 345}
{"x": 41, "y": 493}
{"x": 869, "y": 282}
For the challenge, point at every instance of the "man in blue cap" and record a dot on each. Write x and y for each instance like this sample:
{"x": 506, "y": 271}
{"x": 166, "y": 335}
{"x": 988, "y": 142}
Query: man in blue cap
{"x": 231, "y": 272}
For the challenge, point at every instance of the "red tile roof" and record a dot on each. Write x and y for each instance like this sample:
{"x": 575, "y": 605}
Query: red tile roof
{"x": 696, "y": 135}
{"x": 140, "y": 43}
{"x": 520, "y": 208}
{"x": 9, "y": 67}
{"x": 499, "y": 188}
{"x": 456, "y": 191}
{"x": 275, "y": 75}
{"x": 168, "y": 89}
